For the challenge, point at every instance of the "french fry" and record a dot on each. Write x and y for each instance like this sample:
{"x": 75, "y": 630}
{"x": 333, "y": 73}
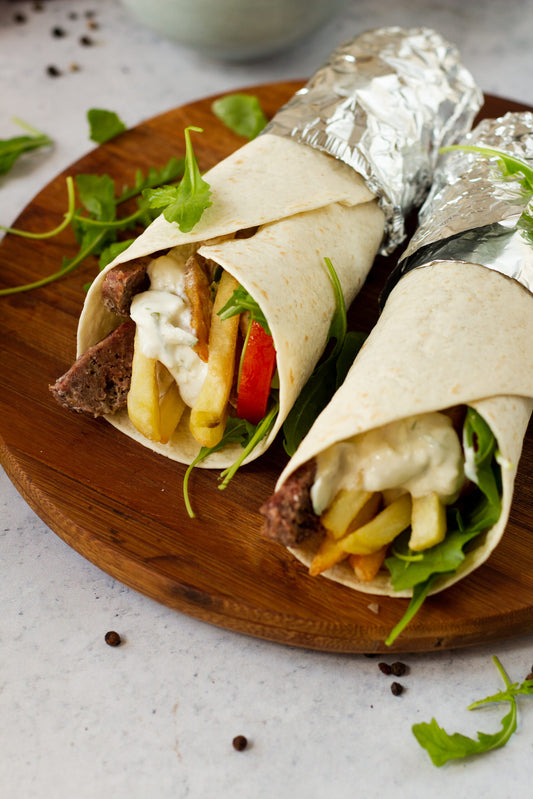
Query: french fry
{"x": 342, "y": 510}
{"x": 143, "y": 396}
{"x": 154, "y": 416}
{"x": 367, "y": 566}
{"x": 428, "y": 522}
{"x": 208, "y": 416}
{"x": 328, "y": 554}
{"x": 330, "y": 550}
{"x": 171, "y": 407}
{"x": 381, "y": 530}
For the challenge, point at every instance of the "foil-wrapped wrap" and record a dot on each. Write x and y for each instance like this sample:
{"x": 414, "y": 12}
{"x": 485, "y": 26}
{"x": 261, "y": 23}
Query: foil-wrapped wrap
{"x": 384, "y": 103}
{"x": 473, "y": 212}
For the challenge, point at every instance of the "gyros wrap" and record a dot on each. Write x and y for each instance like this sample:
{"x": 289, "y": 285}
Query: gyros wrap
{"x": 453, "y": 333}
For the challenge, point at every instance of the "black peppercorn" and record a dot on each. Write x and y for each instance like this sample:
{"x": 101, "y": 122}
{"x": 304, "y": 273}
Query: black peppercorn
{"x": 396, "y": 688}
{"x": 58, "y": 32}
{"x": 398, "y": 669}
{"x": 112, "y": 638}
{"x": 53, "y": 71}
{"x": 240, "y": 742}
{"x": 384, "y": 668}
{"x": 86, "y": 41}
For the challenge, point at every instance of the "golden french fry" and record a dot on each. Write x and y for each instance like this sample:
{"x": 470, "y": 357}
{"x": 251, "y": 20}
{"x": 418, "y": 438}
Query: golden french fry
{"x": 171, "y": 407}
{"x": 328, "y": 554}
{"x": 381, "y": 530}
{"x": 367, "y": 566}
{"x": 342, "y": 510}
{"x": 208, "y": 416}
{"x": 428, "y": 522}
{"x": 143, "y": 396}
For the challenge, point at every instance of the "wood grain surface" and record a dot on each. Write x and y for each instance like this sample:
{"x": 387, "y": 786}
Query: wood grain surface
{"x": 121, "y": 506}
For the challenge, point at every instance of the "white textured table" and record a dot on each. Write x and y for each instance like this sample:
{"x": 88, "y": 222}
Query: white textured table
{"x": 157, "y": 715}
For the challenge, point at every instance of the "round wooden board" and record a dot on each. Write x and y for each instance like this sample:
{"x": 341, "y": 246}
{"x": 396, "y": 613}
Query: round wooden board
{"x": 121, "y": 506}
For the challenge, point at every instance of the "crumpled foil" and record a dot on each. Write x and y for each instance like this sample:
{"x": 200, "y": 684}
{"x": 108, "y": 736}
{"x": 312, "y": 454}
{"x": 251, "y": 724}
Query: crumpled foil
{"x": 384, "y": 103}
{"x": 472, "y": 211}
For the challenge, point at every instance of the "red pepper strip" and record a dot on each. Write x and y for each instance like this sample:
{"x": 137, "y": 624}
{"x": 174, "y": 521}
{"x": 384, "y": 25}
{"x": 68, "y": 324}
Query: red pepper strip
{"x": 258, "y": 364}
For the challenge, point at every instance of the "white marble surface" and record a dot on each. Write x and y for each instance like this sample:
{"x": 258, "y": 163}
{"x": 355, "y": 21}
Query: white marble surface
{"x": 156, "y": 716}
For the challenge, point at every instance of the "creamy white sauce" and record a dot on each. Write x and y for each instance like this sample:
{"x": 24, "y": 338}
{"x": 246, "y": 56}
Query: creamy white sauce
{"x": 420, "y": 454}
{"x": 163, "y": 318}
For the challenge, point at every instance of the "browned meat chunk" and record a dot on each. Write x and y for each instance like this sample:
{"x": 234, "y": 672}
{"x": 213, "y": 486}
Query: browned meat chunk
{"x": 198, "y": 291}
{"x": 99, "y": 380}
{"x": 122, "y": 283}
{"x": 289, "y": 514}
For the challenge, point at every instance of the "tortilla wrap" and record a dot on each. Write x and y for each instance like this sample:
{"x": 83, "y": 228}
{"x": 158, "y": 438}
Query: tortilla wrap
{"x": 450, "y": 334}
{"x": 310, "y": 206}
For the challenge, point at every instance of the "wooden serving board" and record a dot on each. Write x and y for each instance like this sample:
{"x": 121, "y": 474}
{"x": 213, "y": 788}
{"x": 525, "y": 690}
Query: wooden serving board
{"x": 121, "y": 506}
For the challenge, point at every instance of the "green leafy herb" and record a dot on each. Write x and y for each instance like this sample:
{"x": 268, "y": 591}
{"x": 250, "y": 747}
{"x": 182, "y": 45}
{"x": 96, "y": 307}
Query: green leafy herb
{"x": 241, "y": 113}
{"x": 512, "y": 168}
{"x": 97, "y": 224}
{"x": 327, "y": 376}
{"x": 479, "y": 512}
{"x": 442, "y": 747}
{"x": 104, "y": 125}
{"x": 186, "y": 202}
{"x": 11, "y": 149}
{"x": 238, "y": 431}
{"x": 240, "y": 302}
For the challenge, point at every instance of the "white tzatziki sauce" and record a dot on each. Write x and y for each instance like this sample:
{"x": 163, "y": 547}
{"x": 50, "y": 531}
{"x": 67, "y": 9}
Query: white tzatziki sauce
{"x": 163, "y": 318}
{"x": 419, "y": 454}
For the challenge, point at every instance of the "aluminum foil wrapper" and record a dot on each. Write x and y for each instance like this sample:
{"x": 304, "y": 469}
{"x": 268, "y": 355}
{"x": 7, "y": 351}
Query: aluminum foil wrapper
{"x": 384, "y": 103}
{"x": 472, "y": 211}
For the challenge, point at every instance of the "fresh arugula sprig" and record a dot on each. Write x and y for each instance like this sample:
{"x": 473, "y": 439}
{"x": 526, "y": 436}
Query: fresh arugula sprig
{"x": 238, "y": 431}
{"x": 329, "y": 373}
{"x": 241, "y": 113}
{"x": 419, "y": 571}
{"x": 442, "y": 747}
{"x": 241, "y": 302}
{"x": 11, "y": 149}
{"x": 104, "y": 125}
{"x": 97, "y": 223}
{"x": 186, "y": 202}
{"x": 513, "y": 168}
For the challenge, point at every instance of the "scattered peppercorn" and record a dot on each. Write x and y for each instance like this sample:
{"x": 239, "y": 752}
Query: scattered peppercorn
{"x": 93, "y": 25}
{"x": 37, "y": 6}
{"x": 53, "y": 71}
{"x": 90, "y": 13}
{"x": 20, "y": 18}
{"x": 384, "y": 668}
{"x": 112, "y": 638}
{"x": 398, "y": 669}
{"x": 74, "y": 67}
{"x": 58, "y": 32}
{"x": 86, "y": 41}
{"x": 396, "y": 688}
{"x": 240, "y": 742}
{"x": 73, "y": 15}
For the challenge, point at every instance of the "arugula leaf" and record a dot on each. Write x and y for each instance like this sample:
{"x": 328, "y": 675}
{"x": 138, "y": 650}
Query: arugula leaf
{"x": 241, "y": 113}
{"x": 96, "y": 232}
{"x": 510, "y": 167}
{"x": 238, "y": 431}
{"x": 327, "y": 376}
{"x": 442, "y": 747}
{"x": 481, "y": 511}
{"x": 104, "y": 125}
{"x": 240, "y": 302}
{"x": 11, "y": 149}
{"x": 185, "y": 203}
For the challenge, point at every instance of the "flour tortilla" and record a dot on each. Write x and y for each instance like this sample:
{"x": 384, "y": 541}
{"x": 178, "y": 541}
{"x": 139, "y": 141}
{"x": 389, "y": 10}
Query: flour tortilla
{"x": 308, "y": 206}
{"x": 450, "y": 334}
